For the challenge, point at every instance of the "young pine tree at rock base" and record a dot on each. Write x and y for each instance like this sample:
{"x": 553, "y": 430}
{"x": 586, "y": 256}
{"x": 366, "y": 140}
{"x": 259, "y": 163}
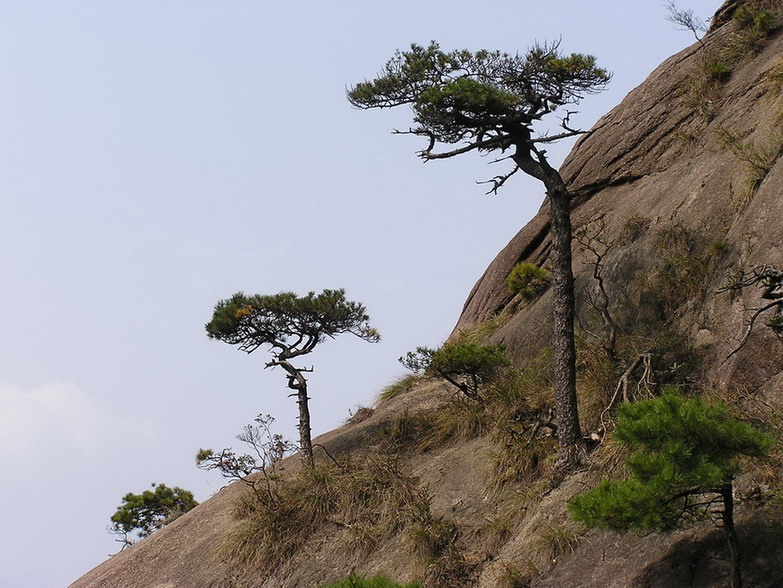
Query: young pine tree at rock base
{"x": 683, "y": 464}
{"x": 291, "y": 326}
{"x": 488, "y": 101}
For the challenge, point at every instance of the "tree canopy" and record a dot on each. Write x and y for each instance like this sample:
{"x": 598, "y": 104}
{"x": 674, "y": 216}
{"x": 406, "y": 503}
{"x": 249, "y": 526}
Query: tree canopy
{"x": 291, "y": 324}
{"x": 467, "y": 366}
{"x": 683, "y": 460}
{"x": 147, "y": 512}
{"x": 487, "y": 100}
{"x": 681, "y": 448}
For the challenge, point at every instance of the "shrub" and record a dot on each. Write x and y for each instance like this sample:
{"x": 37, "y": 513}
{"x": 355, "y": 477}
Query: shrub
{"x": 634, "y": 228}
{"x": 528, "y": 280}
{"x": 431, "y": 537}
{"x": 147, "y": 512}
{"x": 407, "y": 431}
{"x": 258, "y": 469}
{"x": 686, "y": 264}
{"x": 435, "y": 541}
{"x": 460, "y": 419}
{"x": 718, "y": 71}
{"x": 467, "y": 366}
{"x": 520, "y": 459}
{"x": 754, "y": 26}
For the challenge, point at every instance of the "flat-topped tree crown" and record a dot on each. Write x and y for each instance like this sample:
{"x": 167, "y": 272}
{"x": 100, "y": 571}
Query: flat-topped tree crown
{"x": 291, "y": 326}
{"x": 485, "y": 99}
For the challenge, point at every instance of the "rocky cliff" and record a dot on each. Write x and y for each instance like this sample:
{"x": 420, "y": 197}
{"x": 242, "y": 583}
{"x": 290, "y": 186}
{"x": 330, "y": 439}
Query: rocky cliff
{"x": 677, "y": 192}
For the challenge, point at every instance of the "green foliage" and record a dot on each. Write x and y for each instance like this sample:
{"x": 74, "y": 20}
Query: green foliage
{"x": 356, "y": 581}
{"x": 292, "y": 326}
{"x": 717, "y": 71}
{"x": 528, "y": 280}
{"x": 288, "y": 320}
{"x": 754, "y": 27}
{"x": 467, "y": 366}
{"x": 756, "y": 19}
{"x": 681, "y": 448}
{"x": 702, "y": 90}
{"x": 491, "y": 101}
{"x": 445, "y": 89}
{"x": 142, "y": 514}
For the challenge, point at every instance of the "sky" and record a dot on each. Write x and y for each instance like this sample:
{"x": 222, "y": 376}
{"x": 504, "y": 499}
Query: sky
{"x": 157, "y": 156}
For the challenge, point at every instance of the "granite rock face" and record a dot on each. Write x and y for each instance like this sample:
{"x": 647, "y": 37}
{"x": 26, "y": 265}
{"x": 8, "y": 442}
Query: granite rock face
{"x": 671, "y": 157}
{"x": 664, "y": 178}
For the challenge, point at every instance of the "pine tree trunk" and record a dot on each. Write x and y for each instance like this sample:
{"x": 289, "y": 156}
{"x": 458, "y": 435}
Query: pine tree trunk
{"x": 731, "y": 535}
{"x": 298, "y": 383}
{"x": 569, "y": 434}
{"x": 305, "y": 433}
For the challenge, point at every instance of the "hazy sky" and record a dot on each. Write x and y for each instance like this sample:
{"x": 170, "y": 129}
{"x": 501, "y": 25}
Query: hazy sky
{"x": 157, "y": 156}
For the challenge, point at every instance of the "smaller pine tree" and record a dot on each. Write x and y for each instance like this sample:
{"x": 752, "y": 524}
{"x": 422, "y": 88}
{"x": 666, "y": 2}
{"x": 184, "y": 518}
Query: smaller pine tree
{"x": 467, "y": 366}
{"x": 143, "y": 514}
{"x": 683, "y": 460}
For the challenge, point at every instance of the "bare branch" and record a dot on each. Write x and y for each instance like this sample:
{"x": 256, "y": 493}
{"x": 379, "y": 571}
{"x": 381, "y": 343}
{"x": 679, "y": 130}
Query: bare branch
{"x": 493, "y": 143}
{"x": 751, "y": 322}
{"x": 558, "y": 137}
{"x": 498, "y": 181}
{"x": 770, "y": 280}
{"x": 686, "y": 20}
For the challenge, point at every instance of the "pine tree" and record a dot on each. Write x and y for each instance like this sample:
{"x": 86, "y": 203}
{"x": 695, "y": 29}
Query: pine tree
{"x": 683, "y": 461}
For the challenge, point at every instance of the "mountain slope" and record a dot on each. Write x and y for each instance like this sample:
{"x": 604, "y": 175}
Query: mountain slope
{"x": 664, "y": 183}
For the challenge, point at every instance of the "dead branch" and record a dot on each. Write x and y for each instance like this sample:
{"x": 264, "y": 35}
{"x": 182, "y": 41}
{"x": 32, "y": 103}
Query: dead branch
{"x": 622, "y": 385}
{"x": 591, "y": 237}
{"x": 770, "y": 280}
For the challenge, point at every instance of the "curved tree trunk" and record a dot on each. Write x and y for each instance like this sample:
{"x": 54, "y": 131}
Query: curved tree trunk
{"x": 297, "y": 382}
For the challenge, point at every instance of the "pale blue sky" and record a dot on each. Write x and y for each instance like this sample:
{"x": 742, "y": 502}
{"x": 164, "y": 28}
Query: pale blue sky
{"x": 157, "y": 156}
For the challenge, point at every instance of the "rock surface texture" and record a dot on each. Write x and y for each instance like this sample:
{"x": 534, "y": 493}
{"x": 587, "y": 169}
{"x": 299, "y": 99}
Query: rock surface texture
{"x": 670, "y": 181}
